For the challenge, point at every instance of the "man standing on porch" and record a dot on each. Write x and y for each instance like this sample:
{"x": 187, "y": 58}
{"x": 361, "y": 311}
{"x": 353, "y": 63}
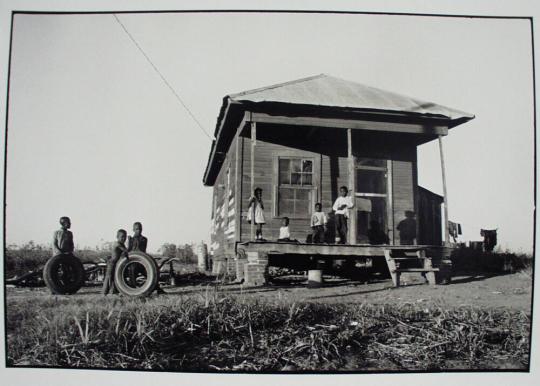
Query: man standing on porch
{"x": 407, "y": 229}
{"x": 341, "y": 208}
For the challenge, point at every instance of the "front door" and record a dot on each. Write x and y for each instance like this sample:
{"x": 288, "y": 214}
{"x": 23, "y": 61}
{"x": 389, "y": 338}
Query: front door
{"x": 371, "y": 201}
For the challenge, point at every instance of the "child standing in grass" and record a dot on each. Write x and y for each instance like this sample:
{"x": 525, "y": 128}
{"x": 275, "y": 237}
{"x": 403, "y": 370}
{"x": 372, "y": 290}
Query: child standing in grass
{"x": 341, "y": 208}
{"x": 256, "y": 212}
{"x": 63, "y": 238}
{"x": 318, "y": 224}
{"x": 117, "y": 251}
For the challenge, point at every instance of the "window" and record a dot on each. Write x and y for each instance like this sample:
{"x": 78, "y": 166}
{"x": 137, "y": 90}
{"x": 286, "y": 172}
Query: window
{"x": 371, "y": 176}
{"x": 295, "y": 171}
{"x": 295, "y": 187}
{"x": 371, "y": 181}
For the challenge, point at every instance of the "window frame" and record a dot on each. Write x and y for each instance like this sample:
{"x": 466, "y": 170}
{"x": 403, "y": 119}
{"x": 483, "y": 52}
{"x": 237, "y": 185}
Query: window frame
{"x": 386, "y": 169}
{"x": 313, "y": 189}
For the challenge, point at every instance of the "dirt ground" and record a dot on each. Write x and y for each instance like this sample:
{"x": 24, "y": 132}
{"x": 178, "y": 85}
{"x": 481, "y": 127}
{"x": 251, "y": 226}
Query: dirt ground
{"x": 510, "y": 291}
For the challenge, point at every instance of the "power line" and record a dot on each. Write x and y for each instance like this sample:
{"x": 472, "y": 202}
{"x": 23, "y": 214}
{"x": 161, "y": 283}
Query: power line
{"x": 162, "y": 77}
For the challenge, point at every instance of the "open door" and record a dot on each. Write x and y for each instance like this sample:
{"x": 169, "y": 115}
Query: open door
{"x": 372, "y": 201}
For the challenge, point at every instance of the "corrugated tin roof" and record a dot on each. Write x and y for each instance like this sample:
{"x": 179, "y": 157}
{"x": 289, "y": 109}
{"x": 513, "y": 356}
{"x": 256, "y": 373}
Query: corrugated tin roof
{"x": 326, "y": 90}
{"x": 323, "y": 94}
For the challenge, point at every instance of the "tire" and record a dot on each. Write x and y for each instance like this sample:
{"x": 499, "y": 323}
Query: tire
{"x": 64, "y": 274}
{"x": 147, "y": 271}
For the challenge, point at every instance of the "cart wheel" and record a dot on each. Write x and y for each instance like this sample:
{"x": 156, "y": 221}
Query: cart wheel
{"x": 64, "y": 274}
{"x": 136, "y": 275}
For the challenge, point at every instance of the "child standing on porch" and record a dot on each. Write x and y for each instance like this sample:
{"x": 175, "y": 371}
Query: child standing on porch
{"x": 318, "y": 224}
{"x": 341, "y": 208}
{"x": 256, "y": 212}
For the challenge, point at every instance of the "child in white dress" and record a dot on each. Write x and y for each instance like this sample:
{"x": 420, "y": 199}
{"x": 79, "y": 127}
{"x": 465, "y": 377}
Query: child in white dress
{"x": 256, "y": 212}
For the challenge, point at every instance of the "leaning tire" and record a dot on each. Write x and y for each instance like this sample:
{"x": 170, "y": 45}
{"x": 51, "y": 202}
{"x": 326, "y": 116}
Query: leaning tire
{"x": 147, "y": 271}
{"x": 64, "y": 274}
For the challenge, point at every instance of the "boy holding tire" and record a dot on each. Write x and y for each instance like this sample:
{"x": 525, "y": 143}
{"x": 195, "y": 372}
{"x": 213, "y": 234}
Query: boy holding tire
{"x": 138, "y": 242}
{"x": 117, "y": 251}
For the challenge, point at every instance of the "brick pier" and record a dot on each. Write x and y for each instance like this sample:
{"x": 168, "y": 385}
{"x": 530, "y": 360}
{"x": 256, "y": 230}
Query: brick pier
{"x": 256, "y": 269}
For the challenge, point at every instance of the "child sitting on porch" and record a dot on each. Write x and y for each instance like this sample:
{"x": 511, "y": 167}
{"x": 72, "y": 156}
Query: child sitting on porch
{"x": 256, "y": 212}
{"x": 284, "y": 233}
{"x": 318, "y": 224}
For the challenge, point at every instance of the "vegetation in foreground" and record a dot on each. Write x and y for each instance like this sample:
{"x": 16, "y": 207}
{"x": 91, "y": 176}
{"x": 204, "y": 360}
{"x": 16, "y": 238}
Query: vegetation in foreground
{"x": 212, "y": 332}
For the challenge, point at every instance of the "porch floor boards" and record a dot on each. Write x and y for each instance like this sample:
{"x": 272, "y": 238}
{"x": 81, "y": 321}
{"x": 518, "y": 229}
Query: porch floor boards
{"x": 330, "y": 250}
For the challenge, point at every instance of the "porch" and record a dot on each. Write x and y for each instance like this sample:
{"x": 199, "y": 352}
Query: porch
{"x": 254, "y": 258}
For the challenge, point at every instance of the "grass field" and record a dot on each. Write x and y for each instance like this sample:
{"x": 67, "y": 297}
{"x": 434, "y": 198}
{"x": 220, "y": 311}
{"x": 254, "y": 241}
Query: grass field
{"x": 210, "y": 329}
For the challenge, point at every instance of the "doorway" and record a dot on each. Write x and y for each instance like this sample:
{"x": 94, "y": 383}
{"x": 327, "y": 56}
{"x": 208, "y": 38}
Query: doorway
{"x": 371, "y": 200}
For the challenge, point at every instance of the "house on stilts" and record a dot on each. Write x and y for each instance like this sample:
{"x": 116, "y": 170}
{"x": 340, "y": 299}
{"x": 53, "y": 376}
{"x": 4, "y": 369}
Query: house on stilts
{"x": 299, "y": 142}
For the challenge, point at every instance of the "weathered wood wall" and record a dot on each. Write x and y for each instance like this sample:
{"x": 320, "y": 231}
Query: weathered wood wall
{"x": 429, "y": 217}
{"x": 265, "y": 164}
{"x": 224, "y": 214}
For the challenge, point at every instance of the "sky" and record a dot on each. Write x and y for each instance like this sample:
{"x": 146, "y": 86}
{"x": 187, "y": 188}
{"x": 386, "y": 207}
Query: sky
{"x": 93, "y": 132}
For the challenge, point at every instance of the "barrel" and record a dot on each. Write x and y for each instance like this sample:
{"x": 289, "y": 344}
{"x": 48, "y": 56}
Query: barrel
{"x": 202, "y": 257}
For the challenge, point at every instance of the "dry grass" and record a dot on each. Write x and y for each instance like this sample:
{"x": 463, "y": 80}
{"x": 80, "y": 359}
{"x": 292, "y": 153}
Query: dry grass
{"x": 210, "y": 331}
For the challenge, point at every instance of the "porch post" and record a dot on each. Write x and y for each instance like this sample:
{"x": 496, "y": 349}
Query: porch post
{"x": 446, "y": 230}
{"x": 252, "y": 175}
{"x": 238, "y": 189}
{"x": 352, "y": 188}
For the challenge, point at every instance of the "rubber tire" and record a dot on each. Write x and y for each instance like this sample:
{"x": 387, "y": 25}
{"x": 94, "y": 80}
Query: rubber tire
{"x": 152, "y": 274}
{"x": 50, "y": 274}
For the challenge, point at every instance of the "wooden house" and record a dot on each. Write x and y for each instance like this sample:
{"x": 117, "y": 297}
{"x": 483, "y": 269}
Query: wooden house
{"x": 299, "y": 142}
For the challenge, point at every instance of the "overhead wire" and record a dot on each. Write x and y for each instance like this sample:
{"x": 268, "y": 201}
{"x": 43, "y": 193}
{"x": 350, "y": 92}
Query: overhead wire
{"x": 124, "y": 28}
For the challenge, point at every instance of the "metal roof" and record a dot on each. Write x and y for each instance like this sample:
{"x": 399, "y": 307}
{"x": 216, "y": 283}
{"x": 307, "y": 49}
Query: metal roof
{"x": 320, "y": 94}
{"x": 326, "y": 90}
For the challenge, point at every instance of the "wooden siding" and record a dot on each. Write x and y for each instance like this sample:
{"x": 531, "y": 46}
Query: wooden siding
{"x": 429, "y": 217}
{"x": 266, "y": 155}
{"x": 223, "y": 227}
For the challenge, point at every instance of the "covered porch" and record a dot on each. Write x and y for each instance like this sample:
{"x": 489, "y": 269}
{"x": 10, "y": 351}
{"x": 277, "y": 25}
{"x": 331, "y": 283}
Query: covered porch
{"x": 375, "y": 153}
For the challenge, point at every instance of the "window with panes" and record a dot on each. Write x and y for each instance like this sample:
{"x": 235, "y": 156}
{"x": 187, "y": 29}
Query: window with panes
{"x": 295, "y": 187}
